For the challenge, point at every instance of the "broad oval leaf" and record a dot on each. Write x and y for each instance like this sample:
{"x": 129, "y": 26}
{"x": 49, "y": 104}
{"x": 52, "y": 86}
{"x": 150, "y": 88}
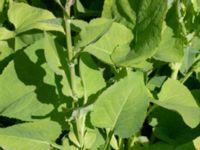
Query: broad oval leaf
{"x": 177, "y": 97}
{"x": 122, "y": 107}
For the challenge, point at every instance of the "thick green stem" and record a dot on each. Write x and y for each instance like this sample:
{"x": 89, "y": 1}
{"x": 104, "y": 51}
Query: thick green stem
{"x": 70, "y": 53}
{"x": 175, "y": 69}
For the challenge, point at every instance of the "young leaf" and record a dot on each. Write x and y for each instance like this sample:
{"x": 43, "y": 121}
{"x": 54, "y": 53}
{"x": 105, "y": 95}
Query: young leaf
{"x": 102, "y": 48}
{"x": 177, "y": 97}
{"x": 122, "y": 107}
{"x": 39, "y": 135}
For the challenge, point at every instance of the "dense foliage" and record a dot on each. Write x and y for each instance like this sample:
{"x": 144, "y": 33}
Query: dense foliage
{"x": 100, "y": 74}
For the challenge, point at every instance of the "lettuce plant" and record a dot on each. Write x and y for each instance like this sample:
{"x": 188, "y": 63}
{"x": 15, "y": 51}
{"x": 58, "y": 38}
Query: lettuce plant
{"x": 99, "y": 74}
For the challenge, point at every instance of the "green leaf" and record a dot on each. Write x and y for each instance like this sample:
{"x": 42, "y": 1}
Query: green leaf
{"x": 24, "y": 103}
{"x": 103, "y": 46}
{"x": 120, "y": 10}
{"x": 156, "y": 82}
{"x": 52, "y": 53}
{"x": 78, "y": 25}
{"x": 26, "y": 17}
{"x": 147, "y": 32}
{"x": 27, "y": 38}
{"x": 5, "y": 50}
{"x": 39, "y": 135}
{"x": 188, "y": 59}
{"x": 26, "y": 90}
{"x": 6, "y": 34}
{"x": 89, "y": 70}
{"x": 169, "y": 127}
{"x": 93, "y": 31}
{"x": 177, "y": 97}
{"x": 122, "y": 107}
{"x": 170, "y": 48}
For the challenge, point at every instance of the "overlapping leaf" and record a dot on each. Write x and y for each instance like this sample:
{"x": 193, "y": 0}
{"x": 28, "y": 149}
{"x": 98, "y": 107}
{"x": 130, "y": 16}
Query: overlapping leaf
{"x": 26, "y": 17}
{"x": 102, "y": 36}
{"x": 147, "y": 32}
{"x": 39, "y": 135}
{"x": 122, "y": 107}
{"x": 170, "y": 48}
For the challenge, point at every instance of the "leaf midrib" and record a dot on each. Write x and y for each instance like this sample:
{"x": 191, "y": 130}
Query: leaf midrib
{"x": 122, "y": 106}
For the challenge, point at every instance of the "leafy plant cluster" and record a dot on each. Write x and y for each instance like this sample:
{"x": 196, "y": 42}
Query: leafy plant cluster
{"x": 100, "y": 74}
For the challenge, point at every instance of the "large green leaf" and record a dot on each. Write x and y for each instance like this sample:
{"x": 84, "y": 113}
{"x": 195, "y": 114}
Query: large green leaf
{"x": 122, "y": 107}
{"x": 39, "y": 135}
{"x": 147, "y": 32}
{"x": 91, "y": 76}
{"x": 177, "y": 97}
{"x": 170, "y": 48}
{"x": 23, "y": 91}
{"x": 26, "y": 17}
{"x": 103, "y": 46}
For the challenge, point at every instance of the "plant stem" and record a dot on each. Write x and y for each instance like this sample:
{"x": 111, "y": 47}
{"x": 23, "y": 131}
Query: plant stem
{"x": 108, "y": 139}
{"x": 70, "y": 52}
{"x": 79, "y": 120}
{"x": 175, "y": 69}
